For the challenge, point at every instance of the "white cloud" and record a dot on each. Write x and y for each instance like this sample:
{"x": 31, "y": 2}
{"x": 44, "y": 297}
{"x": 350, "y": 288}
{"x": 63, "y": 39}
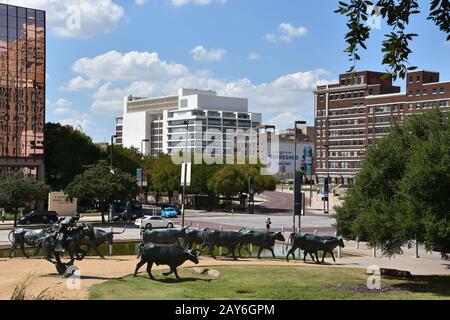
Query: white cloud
{"x": 179, "y": 3}
{"x": 254, "y": 56}
{"x": 79, "y": 83}
{"x": 62, "y": 103}
{"x": 200, "y": 53}
{"x": 77, "y": 18}
{"x": 286, "y": 32}
{"x": 66, "y": 115}
{"x": 140, "y": 2}
{"x": 128, "y": 67}
{"x": 147, "y": 75}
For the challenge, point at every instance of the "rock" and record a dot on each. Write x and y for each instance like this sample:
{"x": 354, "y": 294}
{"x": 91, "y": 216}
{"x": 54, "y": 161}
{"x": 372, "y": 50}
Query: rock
{"x": 214, "y": 273}
{"x": 201, "y": 270}
{"x": 396, "y": 273}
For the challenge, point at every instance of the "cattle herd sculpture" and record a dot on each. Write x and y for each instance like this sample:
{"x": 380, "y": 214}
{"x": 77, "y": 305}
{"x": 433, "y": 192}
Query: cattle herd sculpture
{"x": 171, "y": 247}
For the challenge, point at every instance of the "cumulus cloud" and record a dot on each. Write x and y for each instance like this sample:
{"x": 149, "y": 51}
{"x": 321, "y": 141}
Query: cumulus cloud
{"x": 147, "y": 75}
{"x": 140, "y": 2}
{"x": 286, "y": 32}
{"x": 200, "y": 53}
{"x": 79, "y": 83}
{"x": 62, "y": 103}
{"x": 77, "y": 18}
{"x": 128, "y": 67}
{"x": 64, "y": 114}
{"x": 179, "y": 3}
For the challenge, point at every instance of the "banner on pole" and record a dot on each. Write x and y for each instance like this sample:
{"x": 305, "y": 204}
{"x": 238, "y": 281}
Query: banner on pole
{"x": 186, "y": 171}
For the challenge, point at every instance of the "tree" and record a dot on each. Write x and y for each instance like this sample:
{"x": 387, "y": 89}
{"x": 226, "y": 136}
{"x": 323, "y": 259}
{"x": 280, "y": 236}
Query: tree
{"x": 397, "y": 13}
{"x": 126, "y": 159}
{"x": 228, "y": 181}
{"x": 401, "y": 192}
{"x": 18, "y": 191}
{"x": 231, "y": 180}
{"x": 67, "y": 152}
{"x": 100, "y": 184}
{"x": 165, "y": 176}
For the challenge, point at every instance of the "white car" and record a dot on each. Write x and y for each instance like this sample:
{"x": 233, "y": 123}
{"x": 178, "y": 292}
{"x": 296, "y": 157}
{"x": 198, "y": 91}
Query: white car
{"x": 154, "y": 222}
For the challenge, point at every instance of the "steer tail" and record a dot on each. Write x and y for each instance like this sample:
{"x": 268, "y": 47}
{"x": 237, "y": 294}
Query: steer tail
{"x": 291, "y": 237}
{"x": 11, "y": 237}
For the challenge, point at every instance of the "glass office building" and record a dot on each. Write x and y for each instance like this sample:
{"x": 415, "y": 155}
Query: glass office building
{"x": 22, "y": 90}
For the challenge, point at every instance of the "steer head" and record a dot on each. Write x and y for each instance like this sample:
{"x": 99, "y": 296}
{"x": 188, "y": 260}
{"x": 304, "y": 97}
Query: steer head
{"x": 279, "y": 236}
{"x": 341, "y": 243}
{"x": 193, "y": 255}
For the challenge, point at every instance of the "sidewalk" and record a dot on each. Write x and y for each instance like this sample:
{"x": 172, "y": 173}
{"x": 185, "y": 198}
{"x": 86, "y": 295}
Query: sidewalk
{"x": 317, "y": 206}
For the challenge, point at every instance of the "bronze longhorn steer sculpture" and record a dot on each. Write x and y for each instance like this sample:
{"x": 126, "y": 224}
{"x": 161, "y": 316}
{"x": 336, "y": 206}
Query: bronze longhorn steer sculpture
{"x": 21, "y": 237}
{"x": 264, "y": 240}
{"x": 311, "y": 244}
{"x": 171, "y": 255}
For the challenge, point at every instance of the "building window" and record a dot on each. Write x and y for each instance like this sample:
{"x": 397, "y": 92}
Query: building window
{"x": 418, "y": 79}
{"x": 442, "y": 91}
{"x": 434, "y": 90}
{"x": 410, "y": 79}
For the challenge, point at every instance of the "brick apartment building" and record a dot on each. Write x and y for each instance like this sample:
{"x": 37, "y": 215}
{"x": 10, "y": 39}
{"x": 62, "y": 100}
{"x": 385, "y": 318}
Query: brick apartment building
{"x": 360, "y": 110}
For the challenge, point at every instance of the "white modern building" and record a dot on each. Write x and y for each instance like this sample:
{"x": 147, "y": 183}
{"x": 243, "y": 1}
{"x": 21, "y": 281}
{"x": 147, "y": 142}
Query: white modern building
{"x": 161, "y": 125}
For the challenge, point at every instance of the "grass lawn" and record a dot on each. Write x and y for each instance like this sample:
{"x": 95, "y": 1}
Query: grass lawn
{"x": 269, "y": 283}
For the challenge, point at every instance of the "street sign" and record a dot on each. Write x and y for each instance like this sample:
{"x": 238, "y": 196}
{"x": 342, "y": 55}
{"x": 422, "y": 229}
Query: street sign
{"x": 188, "y": 168}
{"x": 139, "y": 175}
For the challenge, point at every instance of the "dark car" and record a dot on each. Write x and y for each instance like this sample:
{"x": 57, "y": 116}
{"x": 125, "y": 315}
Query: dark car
{"x": 39, "y": 217}
{"x": 125, "y": 216}
{"x": 122, "y": 206}
{"x": 136, "y": 205}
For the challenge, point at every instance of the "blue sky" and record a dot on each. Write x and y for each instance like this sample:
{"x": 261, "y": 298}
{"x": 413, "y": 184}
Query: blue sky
{"x": 271, "y": 51}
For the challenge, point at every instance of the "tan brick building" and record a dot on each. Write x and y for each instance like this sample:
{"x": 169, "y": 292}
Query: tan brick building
{"x": 360, "y": 110}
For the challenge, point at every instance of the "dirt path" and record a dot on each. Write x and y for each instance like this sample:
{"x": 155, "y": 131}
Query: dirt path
{"x": 94, "y": 270}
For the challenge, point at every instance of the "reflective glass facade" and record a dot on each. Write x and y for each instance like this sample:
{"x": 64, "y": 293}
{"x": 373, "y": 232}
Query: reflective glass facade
{"x": 22, "y": 87}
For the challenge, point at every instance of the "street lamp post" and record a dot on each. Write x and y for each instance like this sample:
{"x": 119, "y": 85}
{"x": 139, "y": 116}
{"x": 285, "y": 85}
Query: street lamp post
{"x": 111, "y": 153}
{"x": 142, "y": 170}
{"x": 111, "y": 169}
{"x": 297, "y": 193}
{"x": 186, "y": 122}
{"x": 326, "y": 203}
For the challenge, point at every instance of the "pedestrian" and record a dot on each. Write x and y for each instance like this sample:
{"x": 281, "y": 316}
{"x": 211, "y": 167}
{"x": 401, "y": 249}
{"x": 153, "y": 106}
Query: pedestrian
{"x": 3, "y": 216}
{"x": 268, "y": 223}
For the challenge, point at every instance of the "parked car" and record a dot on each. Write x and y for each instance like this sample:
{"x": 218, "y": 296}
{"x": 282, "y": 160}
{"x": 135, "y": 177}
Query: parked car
{"x": 39, "y": 217}
{"x": 169, "y": 213}
{"x": 151, "y": 222}
{"x": 126, "y": 216}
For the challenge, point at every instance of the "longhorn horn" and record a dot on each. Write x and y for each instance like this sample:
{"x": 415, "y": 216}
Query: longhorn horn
{"x": 124, "y": 229}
